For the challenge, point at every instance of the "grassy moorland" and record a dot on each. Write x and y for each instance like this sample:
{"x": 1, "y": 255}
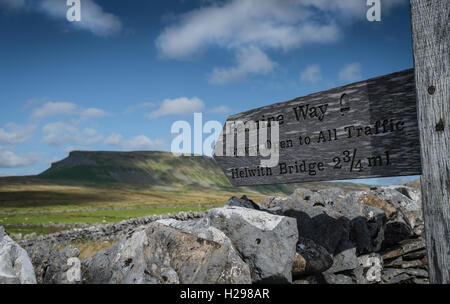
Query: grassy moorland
{"x": 99, "y": 187}
{"x": 35, "y": 203}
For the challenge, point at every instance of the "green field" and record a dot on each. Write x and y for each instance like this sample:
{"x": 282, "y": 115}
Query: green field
{"x": 34, "y": 202}
{"x": 104, "y": 187}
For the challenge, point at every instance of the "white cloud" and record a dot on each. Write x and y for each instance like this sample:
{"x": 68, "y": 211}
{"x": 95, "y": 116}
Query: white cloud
{"x": 143, "y": 142}
{"x": 269, "y": 23}
{"x": 9, "y": 159}
{"x": 220, "y": 110}
{"x": 249, "y": 61}
{"x": 51, "y": 108}
{"x": 115, "y": 140}
{"x": 15, "y": 134}
{"x": 351, "y": 73}
{"x": 34, "y": 102}
{"x": 311, "y": 74}
{"x": 62, "y": 133}
{"x": 142, "y": 105}
{"x": 94, "y": 113}
{"x": 262, "y": 24}
{"x": 182, "y": 105}
{"x": 93, "y": 17}
{"x": 55, "y": 108}
{"x": 138, "y": 142}
{"x": 90, "y": 132}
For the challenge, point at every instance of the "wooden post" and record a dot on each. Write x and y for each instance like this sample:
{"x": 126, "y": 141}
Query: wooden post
{"x": 430, "y": 34}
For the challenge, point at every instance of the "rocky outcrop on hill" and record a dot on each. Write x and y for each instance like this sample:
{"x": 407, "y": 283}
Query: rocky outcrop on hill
{"x": 314, "y": 236}
{"x": 15, "y": 265}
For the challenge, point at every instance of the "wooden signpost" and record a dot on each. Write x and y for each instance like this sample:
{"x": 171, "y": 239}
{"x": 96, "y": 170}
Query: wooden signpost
{"x": 365, "y": 129}
{"x": 431, "y": 46}
{"x": 393, "y": 125}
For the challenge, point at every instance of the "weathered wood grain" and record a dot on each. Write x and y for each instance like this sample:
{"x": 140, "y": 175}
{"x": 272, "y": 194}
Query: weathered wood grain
{"x": 430, "y": 33}
{"x": 389, "y": 100}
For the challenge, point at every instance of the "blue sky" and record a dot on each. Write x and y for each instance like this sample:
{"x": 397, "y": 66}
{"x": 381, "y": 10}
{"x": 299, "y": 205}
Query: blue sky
{"x": 122, "y": 76}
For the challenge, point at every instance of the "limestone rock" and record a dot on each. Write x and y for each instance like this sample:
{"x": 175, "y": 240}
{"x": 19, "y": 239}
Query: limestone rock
{"x": 163, "y": 254}
{"x": 331, "y": 278}
{"x": 310, "y": 258}
{"x": 244, "y": 201}
{"x": 369, "y": 269}
{"x": 210, "y": 233}
{"x": 344, "y": 260}
{"x": 405, "y": 247}
{"x": 15, "y": 265}
{"x": 333, "y": 219}
{"x": 408, "y": 220}
{"x": 396, "y": 276}
{"x": 266, "y": 242}
{"x": 55, "y": 267}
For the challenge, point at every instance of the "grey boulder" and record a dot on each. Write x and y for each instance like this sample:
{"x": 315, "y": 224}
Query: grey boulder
{"x": 333, "y": 219}
{"x": 55, "y": 267}
{"x": 408, "y": 220}
{"x": 244, "y": 201}
{"x": 240, "y": 271}
{"x": 266, "y": 242}
{"x": 369, "y": 269}
{"x": 15, "y": 265}
{"x": 311, "y": 259}
{"x": 162, "y": 254}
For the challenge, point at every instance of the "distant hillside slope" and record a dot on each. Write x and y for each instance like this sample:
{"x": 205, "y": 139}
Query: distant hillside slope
{"x": 155, "y": 168}
{"x": 147, "y": 168}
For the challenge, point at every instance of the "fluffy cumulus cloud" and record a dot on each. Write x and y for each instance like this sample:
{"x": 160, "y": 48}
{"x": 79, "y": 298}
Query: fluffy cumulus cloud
{"x": 115, "y": 140}
{"x": 182, "y": 105}
{"x": 220, "y": 110}
{"x": 63, "y": 133}
{"x": 351, "y": 73}
{"x": 9, "y": 159}
{"x": 249, "y": 61}
{"x": 93, "y": 16}
{"x": 90, "y": 132}
{"x": 264, "y": 23}
{"x": 15, "y": 134}
{"x": 51, "y": 108}
{"x": 140, "y": 106}
{"x": 94, "y": 113}
{"x": 140, "y": 142}
{"x": 254, "y": 26}
{"x": 56, "y": 108}
{"x": 143, "y": 142}
{"x": 311, "y": 74}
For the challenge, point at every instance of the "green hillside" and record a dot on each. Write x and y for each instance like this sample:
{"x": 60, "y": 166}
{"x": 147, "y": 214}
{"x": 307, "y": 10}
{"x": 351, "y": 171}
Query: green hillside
{"x": 154, "y": 168}
{"x": 94, "y": 187}
{"x": 150, "y": 168}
